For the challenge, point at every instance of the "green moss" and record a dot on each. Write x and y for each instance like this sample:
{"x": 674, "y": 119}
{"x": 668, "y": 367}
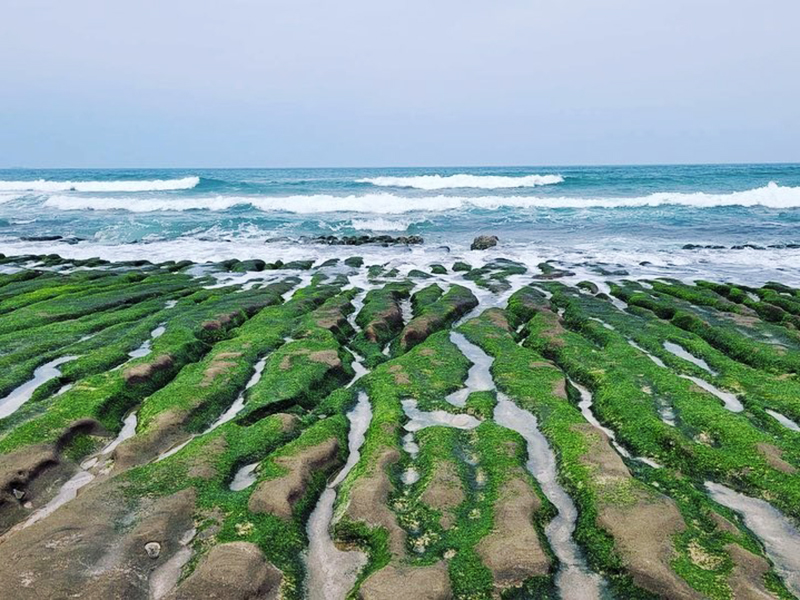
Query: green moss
{"x": 481, "y": 404}
{"x": 710, "y": 442}
{"x": 107, "y": 397}
{"x": 434, "y": 316}
{"x": 380, "y": 320}
{"x": 425, "y": 297}
{"x": 561, "y": 423}
{"x": 300, "y": 373}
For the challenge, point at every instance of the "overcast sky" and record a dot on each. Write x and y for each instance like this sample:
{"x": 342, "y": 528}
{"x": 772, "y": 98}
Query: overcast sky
{"x": 376, "y": 82}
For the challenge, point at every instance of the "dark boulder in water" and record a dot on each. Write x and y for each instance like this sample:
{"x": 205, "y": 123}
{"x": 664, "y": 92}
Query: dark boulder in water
{"x": 249, "y": 265}
{"x": 747, "y": 247}
{"x": 702, "y": 247}
{"x": 784, "y": 246}
{"x": 484, "y": 242}
{"x": 52, "y": 238}
{"x": 301, "y": 265}
{"x": 41, "y": 238}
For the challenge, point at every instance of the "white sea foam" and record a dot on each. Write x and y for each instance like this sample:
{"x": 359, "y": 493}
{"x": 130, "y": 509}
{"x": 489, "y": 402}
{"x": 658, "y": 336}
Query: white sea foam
{"x": 313, "y": 204}
{"x": 157, "y": 185}
{"x": 463, "y": 180}
{"x": 380, "y": 224}
{"x": 748, "y": 267}
{"x": 770, "y": 196}
{"x": 8, "y": 197}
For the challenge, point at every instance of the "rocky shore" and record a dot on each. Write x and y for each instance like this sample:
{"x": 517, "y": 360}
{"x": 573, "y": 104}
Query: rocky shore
{"x": 458, "y": 430}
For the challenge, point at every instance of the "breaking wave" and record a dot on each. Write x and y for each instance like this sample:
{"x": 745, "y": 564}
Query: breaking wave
{"x": 770, "y": 196}
{"x": 463, "y": 180}
{"x": 44, "y": 185}
{"x": 380, "y": 224}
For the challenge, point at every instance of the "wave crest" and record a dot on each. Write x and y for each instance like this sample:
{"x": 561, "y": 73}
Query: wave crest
{"x": 770, "y": 196}
{"x": 157, "y": 185}
{"x": 463, "y": 180}
{"x": 381, "y": 224}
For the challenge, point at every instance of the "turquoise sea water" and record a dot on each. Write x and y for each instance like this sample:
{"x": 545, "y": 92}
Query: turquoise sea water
{"x": 614, "y": 215}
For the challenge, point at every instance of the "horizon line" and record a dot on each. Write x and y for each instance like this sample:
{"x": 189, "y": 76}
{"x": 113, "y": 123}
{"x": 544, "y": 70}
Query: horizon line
{"x": 440, "y": 166}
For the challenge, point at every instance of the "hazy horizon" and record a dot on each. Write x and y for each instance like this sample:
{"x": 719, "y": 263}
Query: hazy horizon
{"x": 398, "y": 167}
{"x": 309, "y": 84}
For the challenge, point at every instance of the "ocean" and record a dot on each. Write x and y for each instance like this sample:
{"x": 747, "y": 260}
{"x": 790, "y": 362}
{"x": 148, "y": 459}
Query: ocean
{"x": 640, "y": 220}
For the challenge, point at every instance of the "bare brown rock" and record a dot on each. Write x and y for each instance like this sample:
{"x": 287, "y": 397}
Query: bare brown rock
{"x": 437, "y": 316}
{"x": 389, "y": 319}
{"x": 18, "y": 471}
{"x": 400, "y": 376}
{"x": 498, "y": 318}
{"x": 418, "y": 330}
{"x": 278, "y": 496}
{"x": 484, "y": 242}
{"x": 220, "y": 364}
{"x": 554, "y": 329}
{"x": 368, "y": 499}
{"x": 288, "y": 422}
{"x": 326, "y": 357}
{"x": 31, "y": 476}
{"x": 641, "y": 521}
{"x": 164, "y": 432}
{"x": 219, "y": 322}
{"x": 203, "y": 465}
{"x": 396, "y": 582}
{"x": 79, "y": 551}
{"x": 144, "y": 372}
{"x": 512, "y": 551}
{"x": 774, "y": 457}
{"x": 233, "y": 571}
{"x": 724, "y": 524}
{"x": 444, "y": 492}
{"x": 560, "y": 388}
{"x": 643, "y": 533}
{"x": 747, "y": 577}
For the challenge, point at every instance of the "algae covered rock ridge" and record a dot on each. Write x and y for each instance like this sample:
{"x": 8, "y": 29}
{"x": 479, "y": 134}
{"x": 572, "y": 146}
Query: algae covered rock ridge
{"x": 478, "y": 428}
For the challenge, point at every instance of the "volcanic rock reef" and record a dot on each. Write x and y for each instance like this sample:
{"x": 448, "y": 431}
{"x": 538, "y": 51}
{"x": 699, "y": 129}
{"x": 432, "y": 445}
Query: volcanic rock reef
{"x": 326, "y": 430}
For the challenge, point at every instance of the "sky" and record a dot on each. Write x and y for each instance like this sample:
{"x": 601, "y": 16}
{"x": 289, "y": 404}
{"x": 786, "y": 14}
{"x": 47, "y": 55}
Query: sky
{"x": 281, "y": 83}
